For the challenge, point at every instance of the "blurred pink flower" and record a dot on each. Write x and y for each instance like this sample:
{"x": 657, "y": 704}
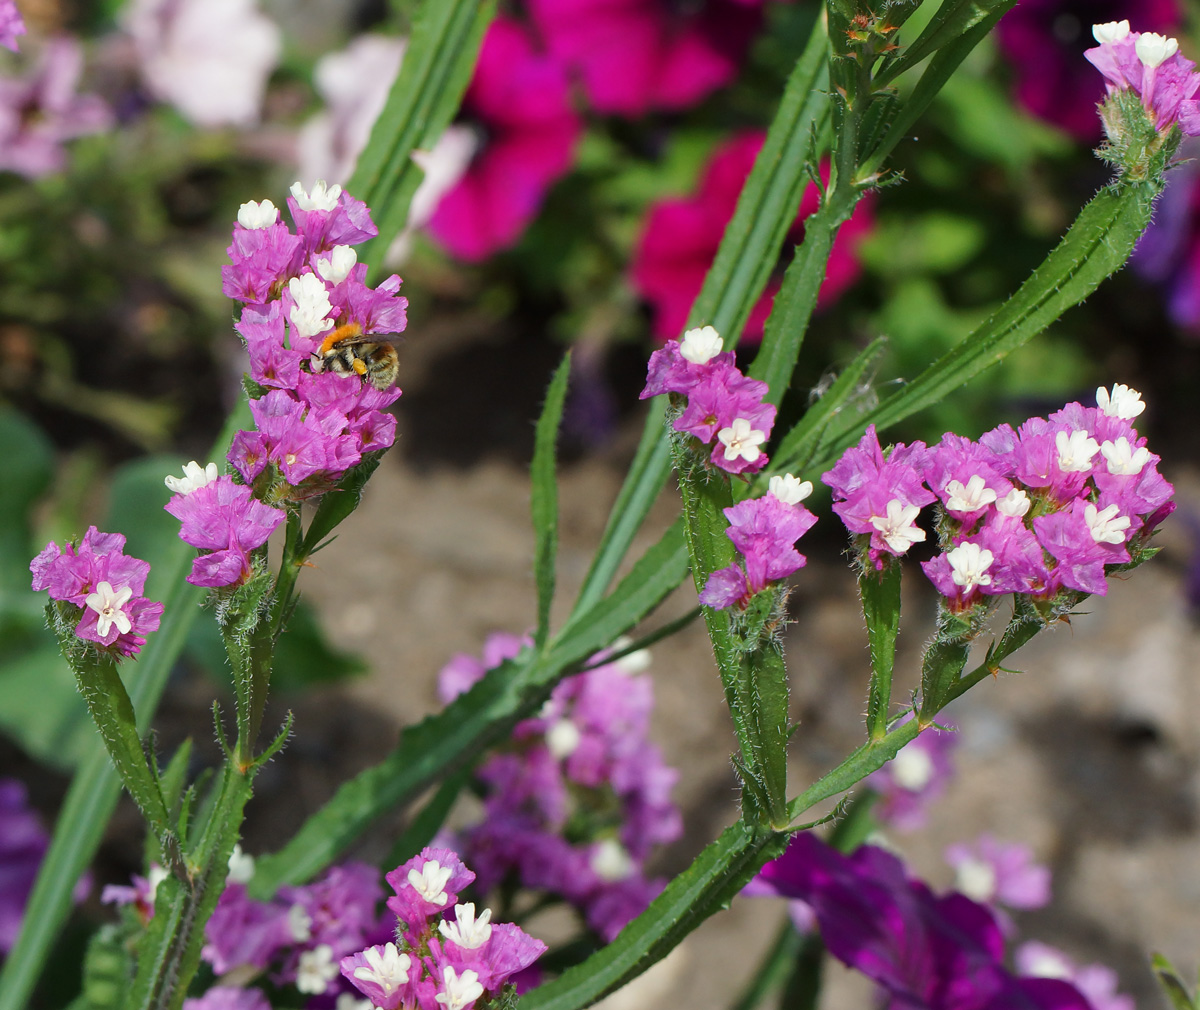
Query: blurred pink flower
{"x": 636, "y": 55}
{"x": 11, "y": 24}
{"x": 209, "y": 58}
{"x": 681, "y": 237}
{"x": 522, "y": 99}
{"x": 39, "y": 112}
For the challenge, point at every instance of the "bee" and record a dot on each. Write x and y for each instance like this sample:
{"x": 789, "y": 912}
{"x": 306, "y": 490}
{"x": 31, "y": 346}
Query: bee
{"x": 349, "y": 351}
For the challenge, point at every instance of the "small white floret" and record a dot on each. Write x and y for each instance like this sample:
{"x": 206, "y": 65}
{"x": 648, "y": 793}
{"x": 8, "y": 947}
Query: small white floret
{"x": 701, "y": 345}
{"x": 254, "y": 215}
{"x": 1154, "y": 49}
{"x": 386, "y": 967}
{"x": 790, "y": 490}
{"x": 108, "y": 603}
{"x": 1105, "y": 526}
{"x": 1122, "y": 402}
{"x": 635, "y": 662}
{"x": 912, "y": 768}
{"x": 1075, "y": 451}
{"x": 563, "y": 738}
{"x": 194, "y": 477}
{"x": 467, "y": 931}
{"x": 320, "y": 197}
{"x": 316, "y": 970}
{"x": 611, "y": 862}
{"x": 1048, "y": 963}
{"x": 1014, "y": 504}
{"x": 310, "y": 313}
{"x": 899, "y": 527}
{"x": 431, "y": 882}
{"x": 971, "y": 497}
{"x": 459, "y": 990}
{"x": 348, "y": 1001}
{"x": 740, "y": 439}
{"x": 1123, "y": 459}
{"x": 156, "y": 875}
{"x": 336, "y": 267}
{"x": 969, "y": 564}
{"x": 1110, "y": 31}
{"x": 976, "y": 878}
{"x": 299, "y": 923}
{"x": 241, "y": 867}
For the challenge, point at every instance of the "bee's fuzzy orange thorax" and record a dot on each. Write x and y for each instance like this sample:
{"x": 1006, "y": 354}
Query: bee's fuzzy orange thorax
{"x": 341, "y": 333}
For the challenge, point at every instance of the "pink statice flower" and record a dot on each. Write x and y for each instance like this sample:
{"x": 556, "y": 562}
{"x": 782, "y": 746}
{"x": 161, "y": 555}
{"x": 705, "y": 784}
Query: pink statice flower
{"x": 1041, "y": 41}
{"x": 227, "y": 524}
{"x": 634, "y": 56}
{"x": 463, "y": 670}
{"x": 12, "y": 25}
{"x": 1096, "y": 981}
{"x": 910, "y": 783}
{"x": 105, "y": 585}
{"x": 680, "y": 239}
{"x": 765, "y": 531}
{"x": 138, "y": 895}
{"x": 228, "y": 997}
{"x": 40, "y": 112}
{"x": 522, "y": 99}
{"x": 999, "y": 873}
{"x": 580, "y": 799}
{"x": 1152, "y": 67}
{"x": 209, "y": 58}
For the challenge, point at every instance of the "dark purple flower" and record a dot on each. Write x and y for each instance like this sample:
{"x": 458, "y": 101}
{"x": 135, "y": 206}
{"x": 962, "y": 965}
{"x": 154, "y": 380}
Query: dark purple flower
{"x": 1096, "y": 981}
{"x": 23, "y": 844}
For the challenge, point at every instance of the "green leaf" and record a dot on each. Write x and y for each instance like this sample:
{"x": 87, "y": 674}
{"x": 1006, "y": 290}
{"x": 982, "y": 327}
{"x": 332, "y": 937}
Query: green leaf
{"x": 941, "y": 667}
{"x": 1172, "y": 985}
{"x": 28, "y": 471}
{"x": 544, "y": 497}
{"x": 705, "y": 887}
{"x": 107, "y": 970}
{"x": 953, "y": 19}
{"x": 1096, "y": 246}
{"x": 421, "y": 830}
{"x": 880, "y": 592}
{"x": 42, "y": 711}
{"x": 337, "y": 504}
{"x": 437, "y": 67}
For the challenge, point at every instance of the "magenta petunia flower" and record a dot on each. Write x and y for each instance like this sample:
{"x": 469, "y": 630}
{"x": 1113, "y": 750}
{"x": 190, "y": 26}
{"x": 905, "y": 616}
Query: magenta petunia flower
{"x": 681, "y": 236}
{"x": 522, "y": 99}
{"x": 38, "y": 113}
{"x": 1043, "y": 40}
{"x": 12, "y": 25}
{"x": 632, "y": 56}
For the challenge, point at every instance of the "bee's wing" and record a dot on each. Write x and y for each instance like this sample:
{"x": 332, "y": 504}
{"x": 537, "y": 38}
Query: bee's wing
{"x": 369, "y": 338}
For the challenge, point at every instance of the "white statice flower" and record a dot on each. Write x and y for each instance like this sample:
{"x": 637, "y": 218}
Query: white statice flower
{"x": 311, "y": 311}
{"x": 209, "y": 58}
{"x": 354, "y": 84}
{"x": 194, "y": 477}
{"x": 1015, "y": 504}
{"x": 1105, "y": 525}
{"x": 1075, "y": 451}
{"x": 108, "y": 603}
{"x": 467, "y": 931}
{"x": 1154, "y": 49}
{"x": 1110, "y": 31}
{"x": 241, "y": 866}
{"x": 321, "y": 197}
{"x": 1123, "y": 459}
{"x": 459, "y": 990}
{"x": 740, "y": 439}
{"x": 976, "y": 878}
{"x": 386, "y": 967}
{"x": 348, "y": 1001}
{"x": 316, "y": 970}
{"x": 299, "y": 924}
{"x": 611, "y": 862}
{"x": 430, "y": 882}
{"x": 912, "y": 768}
{"x": 700, "y": 345}
{"x": 1122, "y": 402}
{"x": 971, "y": 497}
{"x": 635, "y": 662}
{"x": 563, "y": 739}
{"x": 969, "y": 564}
{"x": 255, "y": 215}
{"x": 790, "y": 490}
{"x": 155, "y": 876}
{"x": 336, "y": 267}
{"x": 899, "y": 527}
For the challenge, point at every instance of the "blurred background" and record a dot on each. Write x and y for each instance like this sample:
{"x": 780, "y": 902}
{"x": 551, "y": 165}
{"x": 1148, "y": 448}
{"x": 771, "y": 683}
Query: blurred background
{"x": 577, "y": 202}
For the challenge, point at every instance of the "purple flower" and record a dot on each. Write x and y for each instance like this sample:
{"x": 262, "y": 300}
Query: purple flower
{"x": 1151, "y": 66}
{"x": 923, "y": 951}
{"x": 1097, "y": 982}
{"x": 999, "y": 873}
{"x": 383, "y": 974}
{"x": 242, "y": 931}
{"x": 1168, "y": 253}
{"x": 427, "y": 885}
{"x": 98, "y": 577}
{"x": 225, "y": 521}
{"x": 264, "y": 258}
{"x": 914, "y": 778}
{"x": 226, "y": 997}
{"x": 11, "y": 24}
{"x": 23, "y": 844}
{"x": 38, "y": 113}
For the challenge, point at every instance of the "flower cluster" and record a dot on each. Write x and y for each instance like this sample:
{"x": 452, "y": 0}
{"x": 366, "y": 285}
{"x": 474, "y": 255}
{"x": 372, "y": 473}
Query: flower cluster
{"x": 714, "y": 400}
{"x": 578, "y": 800}
{"x": 939, "y": 953}
{"x": 1152, "y": 67}
{"x": 12, "y": 25}
{"x": 764, "y": 530}
{"x": 1050, "y": 506}
{"x": 104, "y": 586}
{"x": 999, "y": 873}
